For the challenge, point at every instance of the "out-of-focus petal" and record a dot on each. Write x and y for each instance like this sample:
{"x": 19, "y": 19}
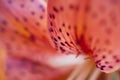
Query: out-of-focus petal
{"x": 19, "y": 34}
{"x": 25, "y": 69}
{"x": 62, "y": 20}
{"x": 24, "y": 36}
{"x": 102, "y": 33}
{"x": 28, "y": 17}
{"x": 2, "y": 63}
{"x": 19, "y": 45}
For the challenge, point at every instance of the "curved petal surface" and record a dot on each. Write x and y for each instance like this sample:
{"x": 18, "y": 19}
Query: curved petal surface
{"x": 62, "y": 23}
{"x": 28, "y": 17}
{"x": 102, "y": 33}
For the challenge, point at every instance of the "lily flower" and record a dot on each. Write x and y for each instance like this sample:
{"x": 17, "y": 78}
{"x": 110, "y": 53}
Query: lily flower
{"x": 88, "y": 27}
{"x": 36, "y": 34}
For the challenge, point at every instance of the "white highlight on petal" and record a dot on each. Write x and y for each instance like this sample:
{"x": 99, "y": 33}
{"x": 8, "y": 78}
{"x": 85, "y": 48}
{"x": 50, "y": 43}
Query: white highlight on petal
{"x": 65, "y": 60}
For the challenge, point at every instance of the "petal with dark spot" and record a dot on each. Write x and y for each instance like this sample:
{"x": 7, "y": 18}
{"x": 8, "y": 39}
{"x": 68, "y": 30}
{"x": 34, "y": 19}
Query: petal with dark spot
{"x": 102, "y": 34}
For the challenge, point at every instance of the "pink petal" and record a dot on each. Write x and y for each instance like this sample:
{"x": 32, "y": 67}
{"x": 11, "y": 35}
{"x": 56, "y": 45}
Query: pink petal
{"x": 94, "y": 26}
{"x": 25, "y": 69}
{"x": 18, "y": 45}
{"x": 28, "y": 17}
{"x": 101, "y": 34}
{"x": 2, "y": 64}
{"x": 20, "y": 36}
{"x": 62, "y": 20}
